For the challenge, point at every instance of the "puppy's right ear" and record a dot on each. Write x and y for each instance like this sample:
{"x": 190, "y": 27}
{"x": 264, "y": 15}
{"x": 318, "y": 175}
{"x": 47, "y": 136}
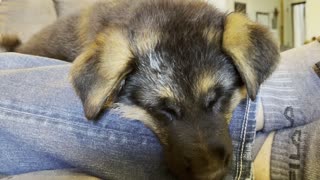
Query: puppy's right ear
{"x": 98, "y": 71}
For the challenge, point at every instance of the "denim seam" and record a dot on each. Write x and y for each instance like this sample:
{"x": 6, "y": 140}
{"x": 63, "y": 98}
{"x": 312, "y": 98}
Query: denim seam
{"x": 145, "y": 139}
{"x": 61, "y": 121}
{"x": 6, "y": 71}
{"x": 8, "y": 105}
{"x": 241, "y": 148}
{"x": 64, "y": 114}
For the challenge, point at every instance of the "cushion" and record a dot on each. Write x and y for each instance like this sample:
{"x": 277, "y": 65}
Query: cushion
{"x": 25, "y": 17}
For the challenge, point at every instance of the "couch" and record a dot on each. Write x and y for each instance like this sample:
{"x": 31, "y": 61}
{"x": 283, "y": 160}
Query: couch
{"x": 26, "y": 17}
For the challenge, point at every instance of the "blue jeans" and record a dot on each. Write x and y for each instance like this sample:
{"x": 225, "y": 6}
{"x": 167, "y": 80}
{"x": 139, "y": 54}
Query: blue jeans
{"x": 42, "y": 127}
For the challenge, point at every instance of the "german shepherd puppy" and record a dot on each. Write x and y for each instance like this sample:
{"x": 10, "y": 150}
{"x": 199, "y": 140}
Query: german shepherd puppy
{"x": 182, "y": 63}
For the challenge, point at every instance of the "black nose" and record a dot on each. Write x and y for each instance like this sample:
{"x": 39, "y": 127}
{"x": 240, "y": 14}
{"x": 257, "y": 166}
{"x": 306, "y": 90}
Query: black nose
{"x": 211, "y": 161}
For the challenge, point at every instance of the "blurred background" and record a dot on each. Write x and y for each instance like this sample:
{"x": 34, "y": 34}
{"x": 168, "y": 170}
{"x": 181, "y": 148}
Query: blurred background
{"x": 293, "y": 22}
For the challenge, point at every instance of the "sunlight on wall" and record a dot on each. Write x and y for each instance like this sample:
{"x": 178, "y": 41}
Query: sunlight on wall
{"x": 312, "y": 18}
{"x": 253, "y": 6}
{"x": 312, "y": 15}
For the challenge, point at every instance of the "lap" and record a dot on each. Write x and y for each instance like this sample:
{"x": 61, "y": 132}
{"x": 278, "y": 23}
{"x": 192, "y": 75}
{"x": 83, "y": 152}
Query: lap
{"x": 42, "y": 127}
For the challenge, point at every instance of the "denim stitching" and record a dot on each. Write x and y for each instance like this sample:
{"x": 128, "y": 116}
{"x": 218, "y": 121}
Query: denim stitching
{"x": 109, "y": 135}
{"x": 241, "y": 147}
{"x": 61, "y": 121}
{"x": 40, "y": 110}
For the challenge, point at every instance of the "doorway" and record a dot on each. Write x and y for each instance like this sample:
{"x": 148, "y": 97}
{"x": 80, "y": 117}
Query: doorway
{"x": 299, "y": 24}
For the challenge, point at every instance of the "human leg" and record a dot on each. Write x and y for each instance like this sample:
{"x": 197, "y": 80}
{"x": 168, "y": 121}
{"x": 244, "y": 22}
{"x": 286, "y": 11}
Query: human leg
{"x": 296, "y": 153}
{"x": 290, "y": 98}
{"x": 263, "y": 159}
{"x": 42, "y": 128}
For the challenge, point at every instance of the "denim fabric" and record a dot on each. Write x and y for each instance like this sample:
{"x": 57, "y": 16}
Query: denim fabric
{"x": 243, "y": 131}
{"x": 42, "y": 127}
{"x": 290, "y": 97}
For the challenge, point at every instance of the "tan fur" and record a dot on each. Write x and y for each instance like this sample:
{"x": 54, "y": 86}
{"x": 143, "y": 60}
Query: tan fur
{"x": 115, "y": 54}
{"x": 84, "y": 24}
{"x": 236, "y": 42}
{"x": 205, "y": 82}
{"x": 86, "y": 21}
{"x": 210, "y": 34}
{"x": 243, "y": 92}
{"x": 238, "y": 95}
{"x": 147, "y": 40}
{"x": 111, "y": 47}
{"x": 133, "y": 112}
{"x": 166, "y": 92}
{"x": 83, "y": 58}
{"x": 250, "y": 53}
{"x": 77, "y": 68}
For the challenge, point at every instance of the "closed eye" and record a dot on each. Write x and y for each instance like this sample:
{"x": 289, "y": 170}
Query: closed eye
{"x": 211, "y": 101}
{"x": 213, "y": 98}
{"x": 169, "y": 109}
{"x": 170, "y": 113}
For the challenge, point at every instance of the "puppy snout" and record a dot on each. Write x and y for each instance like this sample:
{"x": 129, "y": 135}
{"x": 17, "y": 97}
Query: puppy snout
{"x": 211, "y": 163}
{"x": 204, "y": 152}
{"x": 221, "y": 152}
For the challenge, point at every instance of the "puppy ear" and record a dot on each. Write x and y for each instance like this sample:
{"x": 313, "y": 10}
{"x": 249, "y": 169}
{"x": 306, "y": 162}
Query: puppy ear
{"x": 252, "y": 49}
{"x": 98, "y": 71}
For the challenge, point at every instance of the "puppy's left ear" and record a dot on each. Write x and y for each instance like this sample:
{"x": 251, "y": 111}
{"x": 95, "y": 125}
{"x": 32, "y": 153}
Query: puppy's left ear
{"x": 97, "y": 73}
{"x": 252, "y": 49}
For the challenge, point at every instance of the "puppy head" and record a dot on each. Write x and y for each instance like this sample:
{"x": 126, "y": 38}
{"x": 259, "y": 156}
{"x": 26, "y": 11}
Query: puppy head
{"x": 188, "y": 71}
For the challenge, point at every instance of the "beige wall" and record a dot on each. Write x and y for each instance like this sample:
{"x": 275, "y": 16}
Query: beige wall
{"x": 287, "y": 23}
{"x": 224, "y": 5}
{"x": 265, "y": 6}
{"x": 288, "y": 30}
{"x": 312, "y": 18}
{"x": 253, "y": 6}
